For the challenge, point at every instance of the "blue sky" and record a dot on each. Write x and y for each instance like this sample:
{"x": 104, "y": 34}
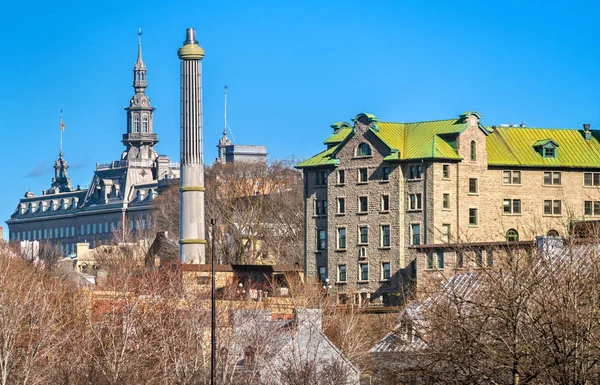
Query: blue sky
{"x": 292, "y": 68}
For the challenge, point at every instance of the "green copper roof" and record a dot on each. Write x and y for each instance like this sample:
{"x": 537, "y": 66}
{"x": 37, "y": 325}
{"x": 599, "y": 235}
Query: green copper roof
{"x": 516, "y": 146}
{"x": 506, "y": 146}
{"x": 339, "y": 136}
{"x": 325, "y": 158}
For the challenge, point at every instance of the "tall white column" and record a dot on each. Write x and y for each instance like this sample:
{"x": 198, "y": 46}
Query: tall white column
{"x": 192, "y": 241}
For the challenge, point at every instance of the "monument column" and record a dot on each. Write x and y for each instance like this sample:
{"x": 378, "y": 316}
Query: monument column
{"x": 192, "y": 242}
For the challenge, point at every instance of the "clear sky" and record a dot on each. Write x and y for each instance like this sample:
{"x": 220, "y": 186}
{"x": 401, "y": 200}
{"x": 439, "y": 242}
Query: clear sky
{"x": 292, "y": 68}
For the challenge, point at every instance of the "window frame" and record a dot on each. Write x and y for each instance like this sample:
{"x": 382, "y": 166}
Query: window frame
{"x": 415, "y": 202}
{"x": 415, "y": 237}
{"x": 512, "y": 204}
{"x": 340, "y": 277}
{"x": 512, "y": 235}
{"x": 386, "y": 174}
{"x": 385, "y": 234}
{"x": 385, "y": 202}
{"x": 446, "y": 232}
{"x": 552, "y": 207}
{"x": 363, "y": 234}
{"x": 473, "y": 151}
{"x": 384, "y": 271}
{"x": 360, "y": 204}
{"x": 363, "y": 274}
{"x": 415, "y": 172}
{"x": 445, "y": 171}
{"x": 514, "y": 177}
{"x": 446, "y": 201}
{"x": 321, "y": 242}
{"x": 341, "y": 177}
{"x": 360, "y": 150}
{"x": 473, "y": 186}
{"x": 473, "y": 213}
{"x": 340, "y": 205}
{"x": 341, "y": 238}
{"x": 363, "y": 172}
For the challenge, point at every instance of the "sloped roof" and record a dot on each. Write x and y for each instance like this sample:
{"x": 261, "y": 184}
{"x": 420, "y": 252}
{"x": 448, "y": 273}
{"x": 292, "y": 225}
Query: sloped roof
{"x": 506, "y": 146}
{"x": 516, "y": 146}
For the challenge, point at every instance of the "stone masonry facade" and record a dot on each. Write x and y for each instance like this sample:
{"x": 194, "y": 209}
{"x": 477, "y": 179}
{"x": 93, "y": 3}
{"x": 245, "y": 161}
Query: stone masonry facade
{"x": 432, "y": 206}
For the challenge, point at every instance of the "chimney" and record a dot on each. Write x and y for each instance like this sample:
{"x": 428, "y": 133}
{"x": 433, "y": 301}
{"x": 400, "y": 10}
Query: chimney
{"x": 586, "y": 131}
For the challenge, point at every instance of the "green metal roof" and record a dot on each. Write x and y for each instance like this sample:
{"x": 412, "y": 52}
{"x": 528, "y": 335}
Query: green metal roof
{"x": 506, "y": 146}
{"x": 515, "y": 146}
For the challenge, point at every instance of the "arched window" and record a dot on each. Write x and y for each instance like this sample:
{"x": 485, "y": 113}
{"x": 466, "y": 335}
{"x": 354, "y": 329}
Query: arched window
{"x": 473, "y": 151}
{"x": 145, "y": 124}
{"x": 553, "y": 233}
{"x": 363, "y": 149}
{"x": 136, "y": 124}
{"x": 512, "y": 235}
{"x": 362, "y": 252}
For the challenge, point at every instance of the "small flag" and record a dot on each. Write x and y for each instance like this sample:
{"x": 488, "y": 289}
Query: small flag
{"x": 62, "y": 125}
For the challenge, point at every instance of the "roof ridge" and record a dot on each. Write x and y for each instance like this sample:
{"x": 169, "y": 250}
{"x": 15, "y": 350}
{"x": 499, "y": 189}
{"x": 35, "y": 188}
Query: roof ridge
{"x": 423, "y": 121}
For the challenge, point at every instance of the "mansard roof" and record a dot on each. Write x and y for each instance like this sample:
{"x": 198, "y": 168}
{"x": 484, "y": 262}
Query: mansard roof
{"x": 436, "y": 139}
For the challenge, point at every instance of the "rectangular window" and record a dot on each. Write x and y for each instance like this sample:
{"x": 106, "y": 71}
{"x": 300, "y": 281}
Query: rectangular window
{"x": 93, "y": 228}
{"x": 88, "y": 229}
{"x": 414, "y": 202}
{"x": 549, "y": 152}
{"x": 591, "y": 179}
{"x": 320, "y": 209}
{"x": 56, "y": 232}
{"x": 321, "y": 178}
{"x": 45, "y": 233}
{"x": 322, "y": 273}
{"x": 341, "y": 177}
{"x": 473, "y": 186}
{"x": 415, "y": 234}
{"x": 73, "y": 231}
{"x": 446, "y": 232}
{"x": 364, "y": 271}
{"x": 587, "y": 208}
{"x": 597, "y": 208}
{"x": 446, "y": 171}
{"x": 385, "y": 270}
{"x": 363, "y": 204}
{"x": 512, "y": 206}
{"x": 363, "y": 175}
{"x": 489, "y": 258}
{"x": 321, "y": 240}
{"x": 446, "y": 201}
{"x": 67, "y": 232}
{"x": 552, "y": 207}
{"x": 106, "y": 225}
{"x": 429, "y": 260}
{"x": 460, "y": 262}
{"x": 473, "y": 219}
{"x": 385, "y": 236}
{"x": 342, "y": 273}
{"x": 552, "y": 178}
{"x": 479, "y": 258}
{"x": 341, "y": 205}
{"x": 440, "y": 259}
{"x": 363, "y": 234}
{"x": 415, "y": 172}
{"x": 386, "y": 173}
{"x": 385, "y": 203}
{"x": 341, "y": 238}
{"x": 511, "y": 177}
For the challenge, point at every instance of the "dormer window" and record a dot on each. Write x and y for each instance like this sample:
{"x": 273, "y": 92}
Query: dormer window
{"x": 363, "y": 149}
{"x": 547, "y": 148}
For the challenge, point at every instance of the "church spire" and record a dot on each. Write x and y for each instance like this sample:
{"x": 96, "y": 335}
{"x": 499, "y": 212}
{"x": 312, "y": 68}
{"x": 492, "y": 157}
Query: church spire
{"x": 139, "y": 70}
{"x": 140, "y": 136}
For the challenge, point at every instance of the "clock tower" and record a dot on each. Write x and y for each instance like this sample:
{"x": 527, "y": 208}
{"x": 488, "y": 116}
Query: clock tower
{"x": 140, "y": 137}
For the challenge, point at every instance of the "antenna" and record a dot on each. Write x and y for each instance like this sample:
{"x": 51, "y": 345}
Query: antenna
{"x": 225, "y": 114}
{"x": 62, "y": 128}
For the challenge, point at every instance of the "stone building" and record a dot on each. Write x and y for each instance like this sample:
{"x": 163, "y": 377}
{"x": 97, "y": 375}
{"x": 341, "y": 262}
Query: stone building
{"x": 119, "y": 196}
{"x": 387, "y": 203}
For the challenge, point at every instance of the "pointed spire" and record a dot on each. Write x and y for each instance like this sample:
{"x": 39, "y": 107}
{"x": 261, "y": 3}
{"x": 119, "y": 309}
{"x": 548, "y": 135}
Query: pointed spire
{"x": 139, "y": 61}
